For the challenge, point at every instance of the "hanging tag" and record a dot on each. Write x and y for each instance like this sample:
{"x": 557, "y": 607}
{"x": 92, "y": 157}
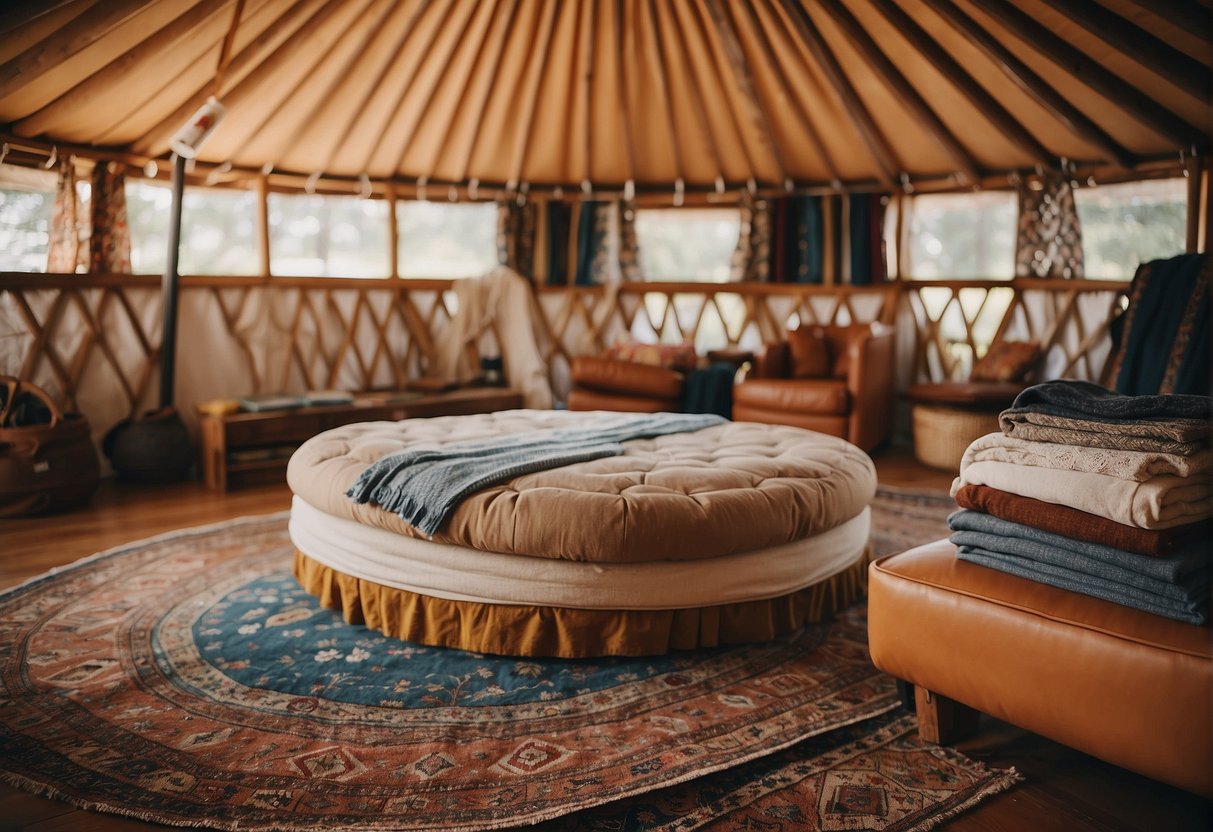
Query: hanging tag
{"x": 678, "y": 192}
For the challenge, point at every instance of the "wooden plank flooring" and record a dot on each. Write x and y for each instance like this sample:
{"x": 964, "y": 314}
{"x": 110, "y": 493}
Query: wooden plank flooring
{"x": 1064, "y": 790}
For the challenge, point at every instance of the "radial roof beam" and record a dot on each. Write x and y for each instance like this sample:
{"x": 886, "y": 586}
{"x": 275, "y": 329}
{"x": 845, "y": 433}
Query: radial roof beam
{"x": 993, "y": 111}
{"x": 78, "y": 34}
{"x": 1189, "y": 74}
{"x": 482, "y": 105}
{"x": 785, "y": 90}
{"x": 373, "y": 87}
{"x": 530, "y": 98}
{"x": 701, "y": 114}
{"x": 436, "y": 80}
{"x": 900, "y": 86}
{"x": 657, "y": 57}
{"x": 277, "y": 38}
{"x": 251, "y": 83}
{"x": 745, "y": 81}
{"x": 875, "y": 141}
{"x": 1086, "y": 70}
{"x": 1031, "y": 83}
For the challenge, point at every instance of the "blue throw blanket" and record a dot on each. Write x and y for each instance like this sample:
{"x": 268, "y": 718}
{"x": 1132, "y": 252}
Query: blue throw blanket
{"x": 425, "y": 486}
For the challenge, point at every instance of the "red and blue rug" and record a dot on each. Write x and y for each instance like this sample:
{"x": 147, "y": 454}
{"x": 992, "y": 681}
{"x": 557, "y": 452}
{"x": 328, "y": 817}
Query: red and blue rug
{"x": 188, "y": 680}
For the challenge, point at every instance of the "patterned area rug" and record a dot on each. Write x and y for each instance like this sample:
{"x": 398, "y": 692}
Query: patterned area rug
{"x": 188, "y": 680}
{"x": 903, "y": 518}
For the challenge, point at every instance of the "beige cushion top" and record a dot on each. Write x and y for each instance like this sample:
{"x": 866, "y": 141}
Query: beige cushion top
{"x": 723, "y": 490}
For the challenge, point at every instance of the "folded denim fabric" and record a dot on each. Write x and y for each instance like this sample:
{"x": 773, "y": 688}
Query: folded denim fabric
{"x": 1158, "y": 503}
{"x": 1167, "y": 436}
{"x": 1084, "y": 400}
{"x": 1192, "y": 612}
{"x": 1081, "y": 555}
{"x": 1081, "y": 525}
{"x": 1138, "y": 466}
{"x": 1195, "y": 585}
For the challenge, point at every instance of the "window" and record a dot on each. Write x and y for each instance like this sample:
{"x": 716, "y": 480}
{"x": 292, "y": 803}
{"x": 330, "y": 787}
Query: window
{"x": 692, "y": 244}
{"x": 962, "y": 236}
{"x": 444, "y": 239}
{"x": 27, "y": 198}
{"x": 328, "y": 236}
{"x": 217, "y": 235}
{"x": 1128, "y": 224}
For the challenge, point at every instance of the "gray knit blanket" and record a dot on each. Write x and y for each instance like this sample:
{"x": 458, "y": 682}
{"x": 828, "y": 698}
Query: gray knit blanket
{"x": 1084, "y": 400}
{"x": 425, "y": 486}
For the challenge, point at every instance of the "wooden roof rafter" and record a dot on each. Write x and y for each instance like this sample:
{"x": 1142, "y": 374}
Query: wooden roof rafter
{"x": 950, "y": 68}
{"x": 257, "y": 79}
{"x": 697, "y": 105}
{"x": 698, "y": 13}
{"x": 371, "y": 88}
{"x": 406, "y": 81}
{"x": 547, "y": 24}
{"x": 751, "y": 100}
{"x": 438, "y": 78}
{"x": 1093, "y": 74}
{"x": 656, "y": 56}
{"x": 789, "y": 100}
{"x": 1186, "y": 73}
{"x": 266, "y": 52}
{"x": 154, "y": 45}
{"x": 901, "y": 87}
{"x": 629, "y": 150}
{"x": 873, "y": 139}
{"x": 323, "y": 99}
{"x": 83, "y": 31}
{"x": 480, "y": 107}
{"x": 1030, "y": 82}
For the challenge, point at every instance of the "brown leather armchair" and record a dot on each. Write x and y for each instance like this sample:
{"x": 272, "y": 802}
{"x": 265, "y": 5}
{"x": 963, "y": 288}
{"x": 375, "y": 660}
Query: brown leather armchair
{"x": 833, "y": 379}
{"x": 612, "y": 384}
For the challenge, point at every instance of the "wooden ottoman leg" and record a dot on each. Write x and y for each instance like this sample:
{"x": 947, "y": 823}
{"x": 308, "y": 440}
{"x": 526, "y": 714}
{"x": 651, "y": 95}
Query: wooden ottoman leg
{"x": 941, "y": 720}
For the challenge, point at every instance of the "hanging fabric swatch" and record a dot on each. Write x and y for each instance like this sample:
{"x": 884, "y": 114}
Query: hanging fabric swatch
{"x": 516, "y": 235}
{"x": 630, "y": 269}
{"x": 559, "y": 216}
{"x": 62, "y": 254}
{"x": 866, "y": 229}
{"x": 109, "y": 245}
{"x": 1049, "y": 242}
{"x": 752, "y": 258}
{"x": 594, "y": 249}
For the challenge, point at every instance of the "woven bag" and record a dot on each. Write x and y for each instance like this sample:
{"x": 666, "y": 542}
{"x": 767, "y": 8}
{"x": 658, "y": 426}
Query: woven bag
{"x": 47, "y": 458}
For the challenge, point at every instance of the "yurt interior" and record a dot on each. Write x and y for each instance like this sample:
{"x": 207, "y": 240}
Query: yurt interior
{"x": 606, "y": 415}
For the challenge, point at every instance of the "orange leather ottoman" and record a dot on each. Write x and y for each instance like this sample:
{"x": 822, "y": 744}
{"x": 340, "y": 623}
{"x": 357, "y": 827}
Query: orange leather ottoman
{"x": 1129, "y": 687}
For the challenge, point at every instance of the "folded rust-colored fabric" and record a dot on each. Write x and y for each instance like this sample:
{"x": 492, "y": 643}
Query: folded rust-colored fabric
{"x": 1079, "y": 525}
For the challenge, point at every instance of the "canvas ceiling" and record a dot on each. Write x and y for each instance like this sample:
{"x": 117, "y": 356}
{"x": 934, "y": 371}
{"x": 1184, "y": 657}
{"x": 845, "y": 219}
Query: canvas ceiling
{"x": 565, "y": 92}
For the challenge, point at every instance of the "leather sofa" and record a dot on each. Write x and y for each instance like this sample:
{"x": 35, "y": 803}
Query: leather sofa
{"x": 1125, "y": 686}
{"x": 601, "y": 383}
{"x": 849, "y": 396}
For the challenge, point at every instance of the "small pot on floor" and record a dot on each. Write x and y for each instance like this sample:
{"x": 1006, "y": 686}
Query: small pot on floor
{"x": 155, "y": 448}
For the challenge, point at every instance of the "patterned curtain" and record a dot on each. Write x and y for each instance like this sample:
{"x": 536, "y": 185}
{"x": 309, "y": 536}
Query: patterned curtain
{"x": 516, "y": 236}
{"x": 109, "y": 246}
{"x": 64, "y": 250}
{"x": 630, "y": 269}
{"x": 600, "y": 243}
{"x": 1049, "y": 242}
{"x": 752, "y": 257}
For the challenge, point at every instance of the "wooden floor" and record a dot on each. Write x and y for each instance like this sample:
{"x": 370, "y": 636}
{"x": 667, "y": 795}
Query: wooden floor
{"x": 1064, "y": 790}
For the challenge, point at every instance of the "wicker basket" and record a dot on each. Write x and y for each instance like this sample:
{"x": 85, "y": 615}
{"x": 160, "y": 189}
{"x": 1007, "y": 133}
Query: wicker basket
{"x": 941, "y": 434}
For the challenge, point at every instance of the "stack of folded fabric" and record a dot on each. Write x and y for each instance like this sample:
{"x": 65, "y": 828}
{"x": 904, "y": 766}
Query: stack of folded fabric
{"x": 1095, "y": 492}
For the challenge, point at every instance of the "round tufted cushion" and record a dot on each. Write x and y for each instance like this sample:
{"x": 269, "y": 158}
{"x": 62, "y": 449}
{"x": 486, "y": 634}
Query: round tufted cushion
{"x": 726, "y": 489}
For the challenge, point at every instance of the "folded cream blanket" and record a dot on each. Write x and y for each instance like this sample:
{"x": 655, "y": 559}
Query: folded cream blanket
{"x": 1160, "y": 502}
{"x": 1126, "y": 465}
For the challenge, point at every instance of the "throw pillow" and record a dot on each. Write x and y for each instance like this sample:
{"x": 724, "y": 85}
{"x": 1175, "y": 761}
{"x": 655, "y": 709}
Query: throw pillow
{"x": 810, "y": 352}
{"x": 679, "y": 357}
{"x": 1006, "y": 361}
